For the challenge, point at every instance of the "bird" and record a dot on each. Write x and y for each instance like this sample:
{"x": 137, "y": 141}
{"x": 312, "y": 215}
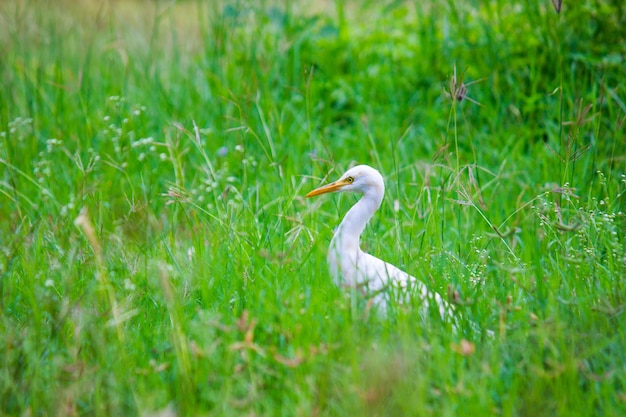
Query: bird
{"x": 350, "y": 266}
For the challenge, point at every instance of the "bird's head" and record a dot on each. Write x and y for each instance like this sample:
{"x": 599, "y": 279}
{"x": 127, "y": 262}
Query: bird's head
{"x": 361, "y": 179}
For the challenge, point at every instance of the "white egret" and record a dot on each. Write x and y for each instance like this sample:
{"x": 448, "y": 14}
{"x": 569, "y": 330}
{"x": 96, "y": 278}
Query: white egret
{"x": 352, "y": 267}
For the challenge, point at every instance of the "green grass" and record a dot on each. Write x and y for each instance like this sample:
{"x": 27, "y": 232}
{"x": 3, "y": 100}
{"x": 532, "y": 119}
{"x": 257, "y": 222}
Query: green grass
{"x": 157, "y": 253}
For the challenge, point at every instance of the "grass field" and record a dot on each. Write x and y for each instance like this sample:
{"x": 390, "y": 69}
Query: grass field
{"x": 158, "y": 256}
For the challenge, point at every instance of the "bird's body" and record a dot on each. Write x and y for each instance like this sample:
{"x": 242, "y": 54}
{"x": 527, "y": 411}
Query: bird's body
{"x": 352, "y": 267}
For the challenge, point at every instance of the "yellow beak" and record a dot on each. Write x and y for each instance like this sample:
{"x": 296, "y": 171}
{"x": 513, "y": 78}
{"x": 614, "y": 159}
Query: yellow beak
{"x": 328, "y": 188}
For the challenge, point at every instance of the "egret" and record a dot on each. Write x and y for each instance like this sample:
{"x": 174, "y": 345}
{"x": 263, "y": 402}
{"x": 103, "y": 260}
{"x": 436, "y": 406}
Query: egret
{"x": 351, "y": 266}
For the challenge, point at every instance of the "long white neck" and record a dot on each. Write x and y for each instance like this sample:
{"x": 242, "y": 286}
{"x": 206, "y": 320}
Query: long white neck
{"x": 348, "y": 234}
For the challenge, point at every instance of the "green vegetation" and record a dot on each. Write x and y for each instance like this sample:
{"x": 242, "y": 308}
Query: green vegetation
{"x": 157, "y": 254}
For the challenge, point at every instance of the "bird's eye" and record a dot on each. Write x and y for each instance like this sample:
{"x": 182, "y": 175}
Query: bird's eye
{"x": 350, "y": 180}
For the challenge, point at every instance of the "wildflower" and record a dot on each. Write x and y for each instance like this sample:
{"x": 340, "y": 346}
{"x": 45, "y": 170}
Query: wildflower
{"x": 223, "y": 151}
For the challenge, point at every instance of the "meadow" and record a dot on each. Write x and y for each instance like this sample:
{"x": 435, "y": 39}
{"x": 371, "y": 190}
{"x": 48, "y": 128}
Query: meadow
{"x": 158, "y": 257}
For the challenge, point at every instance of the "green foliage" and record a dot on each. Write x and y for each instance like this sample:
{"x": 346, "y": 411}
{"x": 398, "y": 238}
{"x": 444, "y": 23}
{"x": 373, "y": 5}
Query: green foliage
{"x": 157, "y": 255}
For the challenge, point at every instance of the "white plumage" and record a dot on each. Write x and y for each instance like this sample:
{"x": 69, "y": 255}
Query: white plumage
{"x": 352, "y": 267}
